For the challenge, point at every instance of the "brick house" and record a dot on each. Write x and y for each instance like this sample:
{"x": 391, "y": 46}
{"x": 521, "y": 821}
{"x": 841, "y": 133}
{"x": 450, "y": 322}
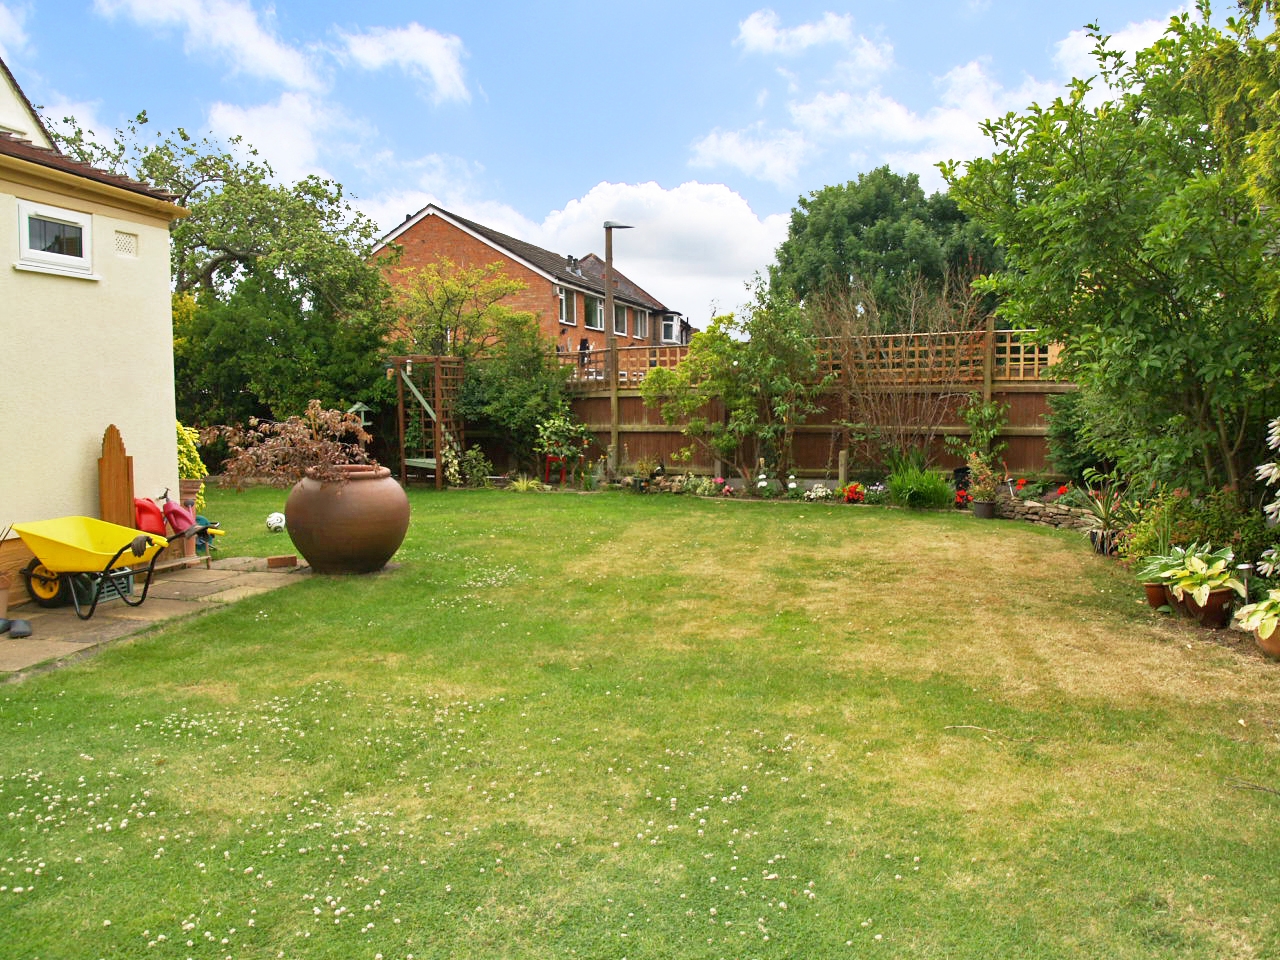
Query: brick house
{"x": 567, "y": 293}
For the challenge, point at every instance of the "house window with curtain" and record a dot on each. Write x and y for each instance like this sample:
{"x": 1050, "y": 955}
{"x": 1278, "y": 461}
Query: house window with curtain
{"x": 640, "y": 329}
{"x": 568, "y": 315}
{"x": 619, "y": 319}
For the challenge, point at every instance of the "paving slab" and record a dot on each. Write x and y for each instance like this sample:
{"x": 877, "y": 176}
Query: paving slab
{"x": 58, "y": 636}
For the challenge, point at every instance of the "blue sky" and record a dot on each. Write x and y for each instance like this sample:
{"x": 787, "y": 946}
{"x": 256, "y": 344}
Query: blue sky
{"x": 701, "y": 123}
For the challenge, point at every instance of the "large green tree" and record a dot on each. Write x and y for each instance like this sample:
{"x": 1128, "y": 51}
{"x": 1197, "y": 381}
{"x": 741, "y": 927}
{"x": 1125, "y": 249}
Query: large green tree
{"x": 278, "y": 302}
{"x": 1129, "y": 240}
{"x": 879, "y": 233}
{"x": 450, "y": 310}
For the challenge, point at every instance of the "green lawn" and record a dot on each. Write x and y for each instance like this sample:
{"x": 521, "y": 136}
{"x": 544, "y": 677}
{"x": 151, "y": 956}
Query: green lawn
{"x": 617, "y": 726}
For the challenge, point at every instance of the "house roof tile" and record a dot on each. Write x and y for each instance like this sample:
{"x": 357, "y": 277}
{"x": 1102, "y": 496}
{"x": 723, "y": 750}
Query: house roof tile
{"x": 13, "y": 146}
{"x": 588, "y": 275}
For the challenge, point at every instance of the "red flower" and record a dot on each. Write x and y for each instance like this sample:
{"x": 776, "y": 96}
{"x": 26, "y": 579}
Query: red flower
{"x": 1022, "y": 482}
{"x": 1062, "y": 490}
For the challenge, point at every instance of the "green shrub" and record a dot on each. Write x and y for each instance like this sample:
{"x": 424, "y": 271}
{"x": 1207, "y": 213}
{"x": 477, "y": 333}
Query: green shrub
{"x": 1221, "y": 518}
{"x": 919, "y": 489}
{"x": 1070, "y": 448}
{"x": 475, "y": 468}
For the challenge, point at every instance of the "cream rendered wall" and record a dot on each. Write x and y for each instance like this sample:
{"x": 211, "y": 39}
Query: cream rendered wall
{"x": 14, "y": 115}
{"x": 77, "y": 355}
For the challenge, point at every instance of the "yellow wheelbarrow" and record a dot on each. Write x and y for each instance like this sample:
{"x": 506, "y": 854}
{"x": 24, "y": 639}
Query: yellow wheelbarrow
{"x": 80, "y": 560}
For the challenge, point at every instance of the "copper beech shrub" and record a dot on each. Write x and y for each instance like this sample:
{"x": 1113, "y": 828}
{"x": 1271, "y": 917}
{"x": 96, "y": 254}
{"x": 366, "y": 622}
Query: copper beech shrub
{"x": 281, "y": 453}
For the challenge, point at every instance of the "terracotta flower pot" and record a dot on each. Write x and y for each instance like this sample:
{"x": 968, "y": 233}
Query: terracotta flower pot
{"x": 1155, "y": 595}
{"x": 1269, "y": 646}
{"x": 1172, "y": 600}
{"x": 1216, "y": 612}
{"x": 353, "y": 525}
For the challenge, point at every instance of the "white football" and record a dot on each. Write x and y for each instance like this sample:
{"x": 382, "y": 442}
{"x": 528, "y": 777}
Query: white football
{"x": 275, "y": 522}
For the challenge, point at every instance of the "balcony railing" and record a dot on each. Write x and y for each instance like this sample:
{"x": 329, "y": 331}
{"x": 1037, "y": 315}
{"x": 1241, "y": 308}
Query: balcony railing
{"x": 959, "y": 357}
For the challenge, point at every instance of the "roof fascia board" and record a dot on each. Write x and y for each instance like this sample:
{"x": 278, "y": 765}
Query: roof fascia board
{"x": 431, "y": 210}
{"x": 49, "y": 178}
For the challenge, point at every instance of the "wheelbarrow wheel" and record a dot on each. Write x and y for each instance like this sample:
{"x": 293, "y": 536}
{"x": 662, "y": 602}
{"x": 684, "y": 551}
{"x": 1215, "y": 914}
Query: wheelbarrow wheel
{"x": 44, "y": 586}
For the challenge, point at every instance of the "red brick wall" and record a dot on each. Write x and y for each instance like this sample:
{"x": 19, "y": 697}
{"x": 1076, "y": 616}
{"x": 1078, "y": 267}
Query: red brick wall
{"x": 433, "y": 238}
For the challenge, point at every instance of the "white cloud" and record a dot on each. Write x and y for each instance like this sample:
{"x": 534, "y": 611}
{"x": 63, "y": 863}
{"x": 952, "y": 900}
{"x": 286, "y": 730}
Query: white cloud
{"x": 289, "y": 133}
{"x": 866, "y": 62}
{"x": 1073, "y": 56}
{"x": 85, "y": 114}
{"x": 761, "y": 33}
{"x": 13, "y": 34}
{"x": 231, "y": 28}
{"x": 447, "y": 181}
{"x": 967, "y": 95}
{"x": 431, "y": 57}
{"x": 694, "y": 247}
{"x": 774, "y": 158}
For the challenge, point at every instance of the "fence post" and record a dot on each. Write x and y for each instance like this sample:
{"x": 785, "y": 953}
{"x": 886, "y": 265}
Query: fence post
{"x": 988, "y": 358}
{"x": 843, "y": 467}
{"x": 612, "y": 374}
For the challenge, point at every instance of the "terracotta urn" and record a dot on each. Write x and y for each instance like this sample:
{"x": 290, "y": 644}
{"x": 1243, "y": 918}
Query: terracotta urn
{"x": 351, "y": 525}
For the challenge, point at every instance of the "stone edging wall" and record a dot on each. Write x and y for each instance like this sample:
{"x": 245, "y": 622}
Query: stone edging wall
{"x": 1045, "y": 514}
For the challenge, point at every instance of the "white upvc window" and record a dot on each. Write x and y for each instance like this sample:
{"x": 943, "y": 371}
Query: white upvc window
{"x": 640, "y": 329}
{"x": 594, "y": 319}
{"x": 568, "y": 315}
{"x": 670, "y": 330}
{"x": 619, "y": 320}
{"x": 54, "y": 240}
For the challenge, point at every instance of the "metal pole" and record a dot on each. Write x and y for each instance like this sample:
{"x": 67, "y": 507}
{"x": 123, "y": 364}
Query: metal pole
{"x": 611, "y": 340}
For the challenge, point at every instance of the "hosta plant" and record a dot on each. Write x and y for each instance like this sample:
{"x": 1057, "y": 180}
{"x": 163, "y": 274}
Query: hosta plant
{"x": 1263, "y": 616}
{"x": 1203, "y": 572}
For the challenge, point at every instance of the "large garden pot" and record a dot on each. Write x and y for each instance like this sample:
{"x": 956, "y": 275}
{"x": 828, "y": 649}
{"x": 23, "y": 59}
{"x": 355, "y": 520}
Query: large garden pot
{"x": 1216, "y": 612}
{"x": 1155, "y": 595}
{"x": 984, "y": 509}
{"x": 1269, "y": 646}
{"x": 353, "y": 525}
{"x": 1179, "y": 606}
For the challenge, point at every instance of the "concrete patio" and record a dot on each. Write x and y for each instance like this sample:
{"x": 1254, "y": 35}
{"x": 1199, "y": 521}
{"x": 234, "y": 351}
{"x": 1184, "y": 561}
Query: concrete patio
{"x": 58, "y": 636}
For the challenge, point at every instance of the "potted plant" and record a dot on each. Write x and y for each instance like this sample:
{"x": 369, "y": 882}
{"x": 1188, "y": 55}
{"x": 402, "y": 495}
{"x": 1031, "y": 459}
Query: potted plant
{"x": 1108, "y": 509}
{"x": 1205, "y": 582}
{"x": 1263, "y": 618}
{"x": 562, "y": 441}
{"x": 344, "y": 513}
{"x": 983, "y": 485}
{"x": 1153, "y": 573}
{"x": 191, "y": 469}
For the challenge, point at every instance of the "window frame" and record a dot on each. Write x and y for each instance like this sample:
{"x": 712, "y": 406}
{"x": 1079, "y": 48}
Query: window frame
{"x": 616, "y": 308}
{"x": 45, "y": 261}
{"x": 593, "y": 308}
{"x": 640, "y": 325}
{"x": 568, "y": 307}
{"x": 669, "y": 322}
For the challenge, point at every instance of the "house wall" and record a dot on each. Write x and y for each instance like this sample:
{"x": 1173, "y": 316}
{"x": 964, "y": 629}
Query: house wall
{"x": 77, "y": 355}
{"x": 433, "y": 238}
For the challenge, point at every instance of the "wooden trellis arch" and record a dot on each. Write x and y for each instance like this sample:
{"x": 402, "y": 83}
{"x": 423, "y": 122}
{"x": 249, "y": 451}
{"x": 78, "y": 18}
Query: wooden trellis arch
{"x": 427, "y": 390}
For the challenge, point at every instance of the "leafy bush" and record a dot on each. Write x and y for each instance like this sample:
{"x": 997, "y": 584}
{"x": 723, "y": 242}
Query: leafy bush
{"x": 475, "y": 468}
{"x": 1071, "y": 450}
{"x": 919, "y": 489}
{"x": 1179, "y": 519}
